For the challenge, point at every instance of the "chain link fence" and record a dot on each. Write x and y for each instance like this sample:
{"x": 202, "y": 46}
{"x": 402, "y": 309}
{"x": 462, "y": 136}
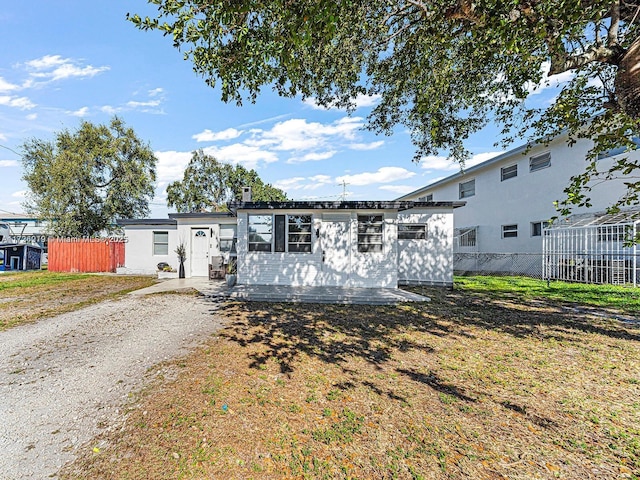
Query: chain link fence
{"x": 528, "y": 264}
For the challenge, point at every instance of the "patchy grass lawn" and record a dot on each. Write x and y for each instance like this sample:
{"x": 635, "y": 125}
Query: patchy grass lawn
{"x": 29, "y": 296}
{"x": 467, "y": 386}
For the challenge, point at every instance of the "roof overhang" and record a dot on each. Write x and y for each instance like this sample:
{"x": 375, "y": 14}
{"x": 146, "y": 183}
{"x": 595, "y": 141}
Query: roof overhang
{"x": 346, "y": 205}
{"x": 124, "y": 222}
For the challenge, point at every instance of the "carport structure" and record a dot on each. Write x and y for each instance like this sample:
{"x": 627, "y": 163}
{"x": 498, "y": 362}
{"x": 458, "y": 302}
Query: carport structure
{"x": 593, "y": 248}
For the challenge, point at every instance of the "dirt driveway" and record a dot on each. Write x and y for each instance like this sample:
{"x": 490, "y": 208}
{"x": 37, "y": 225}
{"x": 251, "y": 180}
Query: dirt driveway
{"x": 65, "y": 379}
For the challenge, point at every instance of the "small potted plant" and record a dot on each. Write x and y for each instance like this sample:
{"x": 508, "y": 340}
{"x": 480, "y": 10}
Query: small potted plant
{"x": 232, "y": 272}
{"x": 181, "y": 251}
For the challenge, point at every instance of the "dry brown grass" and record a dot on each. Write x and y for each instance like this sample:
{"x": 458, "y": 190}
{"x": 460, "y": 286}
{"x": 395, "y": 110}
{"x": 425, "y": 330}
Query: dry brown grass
{"x": 29, "y": 296}
{"x": 462, "y": 387}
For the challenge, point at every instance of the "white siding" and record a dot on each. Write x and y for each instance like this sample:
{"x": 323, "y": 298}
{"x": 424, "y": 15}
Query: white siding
{"x": 430, "y": 261}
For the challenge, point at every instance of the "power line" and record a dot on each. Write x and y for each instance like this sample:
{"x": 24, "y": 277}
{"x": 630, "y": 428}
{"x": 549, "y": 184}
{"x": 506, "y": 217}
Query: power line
{"x": 11, "y": 150}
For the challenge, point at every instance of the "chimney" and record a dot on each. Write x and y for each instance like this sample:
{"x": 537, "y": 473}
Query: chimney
{"x": 246, "y": 194}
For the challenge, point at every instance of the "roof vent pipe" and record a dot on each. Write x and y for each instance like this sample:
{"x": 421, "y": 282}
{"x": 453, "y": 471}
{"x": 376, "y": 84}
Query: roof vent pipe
{"x": 246, "y": 194}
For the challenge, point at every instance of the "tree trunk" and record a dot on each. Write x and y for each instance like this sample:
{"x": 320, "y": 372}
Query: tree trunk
{"x": 627, "y": 81}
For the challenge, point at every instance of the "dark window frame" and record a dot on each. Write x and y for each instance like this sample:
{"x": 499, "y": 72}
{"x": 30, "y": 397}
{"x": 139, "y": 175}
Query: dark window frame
{"x": 370, "y": 229}
{"x": 412, "y": 231}
{"x": 510, "y": 230}
{"x": 464, "y": 191}
{"x": 508, "y": 172}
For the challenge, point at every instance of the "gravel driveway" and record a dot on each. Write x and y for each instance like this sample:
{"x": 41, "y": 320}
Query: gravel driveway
{"x": 65, "y": 379}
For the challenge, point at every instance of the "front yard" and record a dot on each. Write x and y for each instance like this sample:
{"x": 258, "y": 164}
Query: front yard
{"x": 472, "y": 385}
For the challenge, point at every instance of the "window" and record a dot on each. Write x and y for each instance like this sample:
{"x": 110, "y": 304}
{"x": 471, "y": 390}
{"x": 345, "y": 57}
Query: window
{"x": 412, "y": 231}
{"x": 370, "y": 233}
{"x": 161, "y": 243}
{"x": 200, "y": 233}
{"x": 227, "y": 238}
{"x": 280, "y": 233}
{"x": 260, "y": 233}
{"x": 467, "y": 189}
{"x": 509, "y": 231}
{"x": 537, "y": 227}
{"x": 618, "y": 150}
{"x": 508, "y": 172}
{"x": 613, "y": 233}
{"x": 467, "y": 237}
{"x": 299, "y": 233}
{"x": 539, "y": 162}
{"x": 427, "y": 198}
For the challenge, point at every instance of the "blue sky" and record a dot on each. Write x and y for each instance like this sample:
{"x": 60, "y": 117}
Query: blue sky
{"x": 70, "y": 60}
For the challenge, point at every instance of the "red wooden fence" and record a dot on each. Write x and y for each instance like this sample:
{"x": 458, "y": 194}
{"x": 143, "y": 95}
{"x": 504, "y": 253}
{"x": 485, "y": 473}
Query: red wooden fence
{"x": 85, "y": 254}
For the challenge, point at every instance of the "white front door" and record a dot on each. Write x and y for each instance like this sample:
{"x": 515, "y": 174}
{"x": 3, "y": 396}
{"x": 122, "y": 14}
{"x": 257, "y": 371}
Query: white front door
{"x": 200, "y": 252}
{"x": 336, "y": 253}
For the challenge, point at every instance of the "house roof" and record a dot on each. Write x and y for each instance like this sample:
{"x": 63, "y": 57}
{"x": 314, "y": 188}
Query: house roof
{"x": 623, "y": 217}
{"x": 145, "y": 221}
{"x": 10, "y": 245}
{"x": 345, "y": 205}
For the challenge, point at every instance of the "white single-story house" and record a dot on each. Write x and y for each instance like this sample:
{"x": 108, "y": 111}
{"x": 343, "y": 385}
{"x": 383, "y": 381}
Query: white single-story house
{"x": 349, "y": 243}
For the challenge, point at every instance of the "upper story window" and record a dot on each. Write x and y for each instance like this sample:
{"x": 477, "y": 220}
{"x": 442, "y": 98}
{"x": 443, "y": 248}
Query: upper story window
{"x": 508, "y": 172}
{"x": 429, "y": 198}
{"x": 161, "y": 243}
{"x": 412, "y": 231}
{"x": 619, "y": 150}
{"x": 370, "y": 233}
{"x": 467, "y": 189}
{"x": 539, "y": 162}
{"x": 509, "y": 231}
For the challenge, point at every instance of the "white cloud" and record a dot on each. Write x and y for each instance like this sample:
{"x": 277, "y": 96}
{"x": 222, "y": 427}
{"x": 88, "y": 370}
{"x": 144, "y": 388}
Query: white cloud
{"x": 108, "y": 109}
{"x": 19, "y": 194}
{"x": 6, "y": 86}
{"x": 400, "y": 189}
{"x": 323, "y": 179}
{"x": 238, "y": 153}
{"x": 298, "y": 134}
{"x": 135, "y": 104}
{"x": 54, "y": 67}
{"x": 171, "y": 166}
{"x": 312, "y": 157}
{"x": 366, "y": 146}
{"x": 23, "y": 103}
{"x": 548, "y": 81}
{"x": 360, "y": 101}
{"x": 294, "y": 183}
{"x": 81, "y": 112}
{"x": 209, "y": 136}
{"x": 304, "y": 183}
{"x": 3, "y": 137}
{"x": 8, "y": 163}
{"x": 383, "y": 175}
{"x": 155, "y": 92}
{"x": 32, "y": 116}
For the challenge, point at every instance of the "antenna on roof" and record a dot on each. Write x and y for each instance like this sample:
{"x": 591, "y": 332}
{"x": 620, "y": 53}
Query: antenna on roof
{"x": 344, "y": 189}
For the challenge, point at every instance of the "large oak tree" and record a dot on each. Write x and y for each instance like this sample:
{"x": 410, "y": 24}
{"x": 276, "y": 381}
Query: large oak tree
{"x": 82, "y": 181}
{"x": 443, "y": 68}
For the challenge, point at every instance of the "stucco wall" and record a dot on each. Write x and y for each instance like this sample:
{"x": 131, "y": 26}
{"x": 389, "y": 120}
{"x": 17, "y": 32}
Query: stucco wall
{"x": 430, "y": 261}
{"x": 139, "y": 257}
{"x": 524, "y": 199}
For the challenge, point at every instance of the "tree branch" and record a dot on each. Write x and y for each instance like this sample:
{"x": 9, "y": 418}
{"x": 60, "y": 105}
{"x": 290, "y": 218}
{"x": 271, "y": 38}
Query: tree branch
{"x": 595, "y": 53}
{"x": 612, "y": 33}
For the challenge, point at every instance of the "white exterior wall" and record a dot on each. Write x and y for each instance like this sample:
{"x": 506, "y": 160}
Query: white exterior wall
{"x": 306, "y": 269}
{"x": 430, "y": 261}
{"x": 521, "y": 200}
{"x": 139, "y": 257}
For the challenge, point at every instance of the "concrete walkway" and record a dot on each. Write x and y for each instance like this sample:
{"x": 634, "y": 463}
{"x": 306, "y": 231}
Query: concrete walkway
{"x": 217, "y": 289}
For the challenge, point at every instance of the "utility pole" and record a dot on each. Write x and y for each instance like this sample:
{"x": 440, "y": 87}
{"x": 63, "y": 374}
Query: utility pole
{"x": 344, "y": 190}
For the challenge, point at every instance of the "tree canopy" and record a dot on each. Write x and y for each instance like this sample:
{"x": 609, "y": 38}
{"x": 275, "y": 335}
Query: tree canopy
{"x": 208, "y": 185}
{"x": 82, "y": 181}
{"x": 442, "y": 68}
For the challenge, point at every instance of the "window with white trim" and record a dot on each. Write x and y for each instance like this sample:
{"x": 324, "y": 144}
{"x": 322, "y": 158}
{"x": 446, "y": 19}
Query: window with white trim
{"x": 538, "y": 162}
{"x": 508, "y": 172}
{"x": 260, "y": 233}
{"x": 161, "y": 243}
{"x": 467, "y": 189}
{"x": 412, "y": 231}
{"x": 467, "y": 237}
{"x": 370, "y": 233}
{"x": 429, "y": 198}
{"x": 510, "y": 231}
{"x": 280, "y": 233}
{"x": 537, "y": 227}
